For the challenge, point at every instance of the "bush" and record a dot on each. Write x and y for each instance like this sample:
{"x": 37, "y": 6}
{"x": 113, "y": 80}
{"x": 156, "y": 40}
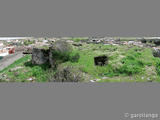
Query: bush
{"x": 131, "y": 64}
{"x": 62, "y": 52}
{"x": 131, "y": 67}
{"x": 60, "y": 57}
{"x": 67, "y": 74}
{"x": 61, "y": 46}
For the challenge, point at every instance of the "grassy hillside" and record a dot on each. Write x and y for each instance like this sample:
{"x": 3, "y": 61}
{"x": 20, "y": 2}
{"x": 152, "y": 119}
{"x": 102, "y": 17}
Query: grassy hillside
{"x": 125, "y": 64}
{"x": 25, "y": 71}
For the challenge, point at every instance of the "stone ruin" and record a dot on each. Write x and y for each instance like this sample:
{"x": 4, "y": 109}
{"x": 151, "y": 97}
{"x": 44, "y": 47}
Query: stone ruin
{"x": 40, "y": 56}
{"x": 28, "y": 51}
{"x": 101, "y": 60}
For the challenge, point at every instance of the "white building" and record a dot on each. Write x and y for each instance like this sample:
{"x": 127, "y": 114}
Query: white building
{"x": 3, "y": 50}
{"x": 1, "y": 44}
{"x": 4, "y": 54}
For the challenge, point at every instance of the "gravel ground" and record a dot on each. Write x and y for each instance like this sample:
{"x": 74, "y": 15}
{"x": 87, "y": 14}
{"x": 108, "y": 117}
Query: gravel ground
{"x": 7, "y": 60}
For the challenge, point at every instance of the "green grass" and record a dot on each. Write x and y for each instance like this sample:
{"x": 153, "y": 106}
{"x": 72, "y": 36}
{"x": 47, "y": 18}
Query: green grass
{"x": 126, "y": 64}
{"x": 128, "y": 38}
{"x": 86, "y": 61}
{"x": 78, "y": 39}
{"x": 18, "y": 62}
{"x": 39, "y": 72}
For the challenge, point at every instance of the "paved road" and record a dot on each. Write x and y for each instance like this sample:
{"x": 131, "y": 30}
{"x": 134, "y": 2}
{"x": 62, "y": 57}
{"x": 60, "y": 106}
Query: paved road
{"x": 6, "y": 61}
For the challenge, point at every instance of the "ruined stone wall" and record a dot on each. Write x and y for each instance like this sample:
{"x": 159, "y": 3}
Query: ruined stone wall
{"x": 40, "y": 56}
{"x": 51, "y": 61}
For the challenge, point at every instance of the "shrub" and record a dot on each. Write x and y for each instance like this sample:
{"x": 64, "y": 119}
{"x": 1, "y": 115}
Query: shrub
{"x": 62, "y": 52}
{"x": 131, "y": 64}
{"x": 67, "y": 74}
{"x": 60, "y": 57}
{"x": 131, "y": 67}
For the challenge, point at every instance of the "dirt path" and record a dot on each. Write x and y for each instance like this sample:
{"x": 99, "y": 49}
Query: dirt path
{"x": 6, "y": 61}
